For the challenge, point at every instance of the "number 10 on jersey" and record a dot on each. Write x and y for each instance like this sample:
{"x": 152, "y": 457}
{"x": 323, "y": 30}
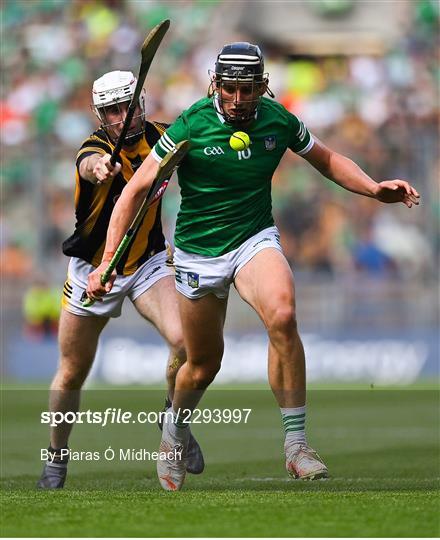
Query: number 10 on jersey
{"x": 244, "y": 154}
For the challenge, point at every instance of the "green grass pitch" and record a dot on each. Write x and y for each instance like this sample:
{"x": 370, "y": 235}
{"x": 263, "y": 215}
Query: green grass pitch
{"x": 381, "y": 447}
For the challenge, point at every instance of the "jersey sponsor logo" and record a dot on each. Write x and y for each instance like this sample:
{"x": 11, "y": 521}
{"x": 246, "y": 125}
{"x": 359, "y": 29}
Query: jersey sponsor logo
{"x": 213, "y": 151}
{"x": 270, "y": 142}
{"x": 193, "y": 280}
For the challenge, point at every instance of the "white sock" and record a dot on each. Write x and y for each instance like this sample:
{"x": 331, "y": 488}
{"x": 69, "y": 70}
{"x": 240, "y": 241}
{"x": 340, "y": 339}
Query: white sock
{"x": 178, "y": 428}
{"x": 294, "y": 421}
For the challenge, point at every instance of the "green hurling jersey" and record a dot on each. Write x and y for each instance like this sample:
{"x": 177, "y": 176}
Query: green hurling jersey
{"x": 226, "y": 195}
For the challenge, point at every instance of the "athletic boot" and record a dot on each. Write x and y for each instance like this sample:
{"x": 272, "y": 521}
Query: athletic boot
{"x": 195, "y": 463}
{"x": 54, "y": 472}
{"x": 171, "y": 463}
{"x": 304, "y": 463}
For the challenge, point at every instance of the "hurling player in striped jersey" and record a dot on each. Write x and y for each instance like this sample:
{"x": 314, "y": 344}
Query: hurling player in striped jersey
{"x": 144, "y": 274}
{"x": 225, "y": 234}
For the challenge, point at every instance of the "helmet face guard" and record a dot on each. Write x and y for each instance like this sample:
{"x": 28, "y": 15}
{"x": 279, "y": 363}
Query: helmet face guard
{"x": 238, "y": 82}
{"x": 133, "y": 136}
{"x": 109, "y": 92}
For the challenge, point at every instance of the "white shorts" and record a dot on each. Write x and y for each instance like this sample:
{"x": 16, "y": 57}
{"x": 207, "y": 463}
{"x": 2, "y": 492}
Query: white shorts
{"x": 132, "y": 286}
{"x": 198, "y": 275}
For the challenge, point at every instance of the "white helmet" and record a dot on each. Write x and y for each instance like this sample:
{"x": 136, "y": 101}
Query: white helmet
{"x": 112, "y": 88}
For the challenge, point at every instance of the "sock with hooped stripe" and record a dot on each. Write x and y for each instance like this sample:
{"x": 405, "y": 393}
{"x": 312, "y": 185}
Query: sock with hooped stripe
{"x": 294, "y": 421}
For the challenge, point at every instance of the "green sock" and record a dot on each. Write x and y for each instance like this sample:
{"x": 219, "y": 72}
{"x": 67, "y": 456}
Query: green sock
{"x": 294, "y": 421}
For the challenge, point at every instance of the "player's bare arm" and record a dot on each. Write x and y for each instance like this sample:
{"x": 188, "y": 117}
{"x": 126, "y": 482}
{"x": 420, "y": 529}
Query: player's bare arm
{"x": 350, "y": 176}
{"x": 98, "y": 169}
{"x": 123, "y": 214}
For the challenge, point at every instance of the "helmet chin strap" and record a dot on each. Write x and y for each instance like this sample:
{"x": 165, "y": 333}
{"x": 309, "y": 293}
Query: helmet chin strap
{"x": 219, "y": 107}
{"x": 251, "y": 115}
{"x": 269, "y": 92}
{"x": 240, "y": 121}
{"x": 130, "y": 140}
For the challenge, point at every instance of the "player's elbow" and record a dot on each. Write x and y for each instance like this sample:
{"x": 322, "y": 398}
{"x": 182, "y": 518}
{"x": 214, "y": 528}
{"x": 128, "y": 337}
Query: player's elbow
{"x": 330, "y": 165}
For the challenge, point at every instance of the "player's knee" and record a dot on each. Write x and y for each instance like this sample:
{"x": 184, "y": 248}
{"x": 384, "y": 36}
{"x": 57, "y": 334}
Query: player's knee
{"x": 74, "y": 380}
{"x": 70, "y": 378}
{"x": 203, "y": 375}
{"x": 282, "y": 320}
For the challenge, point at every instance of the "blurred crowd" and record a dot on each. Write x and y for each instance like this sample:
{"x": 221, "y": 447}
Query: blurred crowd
{"x": 382, "y": 111}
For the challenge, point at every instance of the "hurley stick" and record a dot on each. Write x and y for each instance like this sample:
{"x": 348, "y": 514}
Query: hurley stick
{"x": 149, "y": 48}
{"x": 160, "y": 183}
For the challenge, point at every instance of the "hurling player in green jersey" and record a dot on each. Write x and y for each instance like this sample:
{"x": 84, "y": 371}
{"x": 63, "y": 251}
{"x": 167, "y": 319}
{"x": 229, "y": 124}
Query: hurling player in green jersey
{"x": 225, "y": 234}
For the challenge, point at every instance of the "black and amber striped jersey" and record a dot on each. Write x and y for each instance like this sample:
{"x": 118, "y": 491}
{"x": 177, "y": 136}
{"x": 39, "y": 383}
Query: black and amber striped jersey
{"x": 94, "y": 204}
